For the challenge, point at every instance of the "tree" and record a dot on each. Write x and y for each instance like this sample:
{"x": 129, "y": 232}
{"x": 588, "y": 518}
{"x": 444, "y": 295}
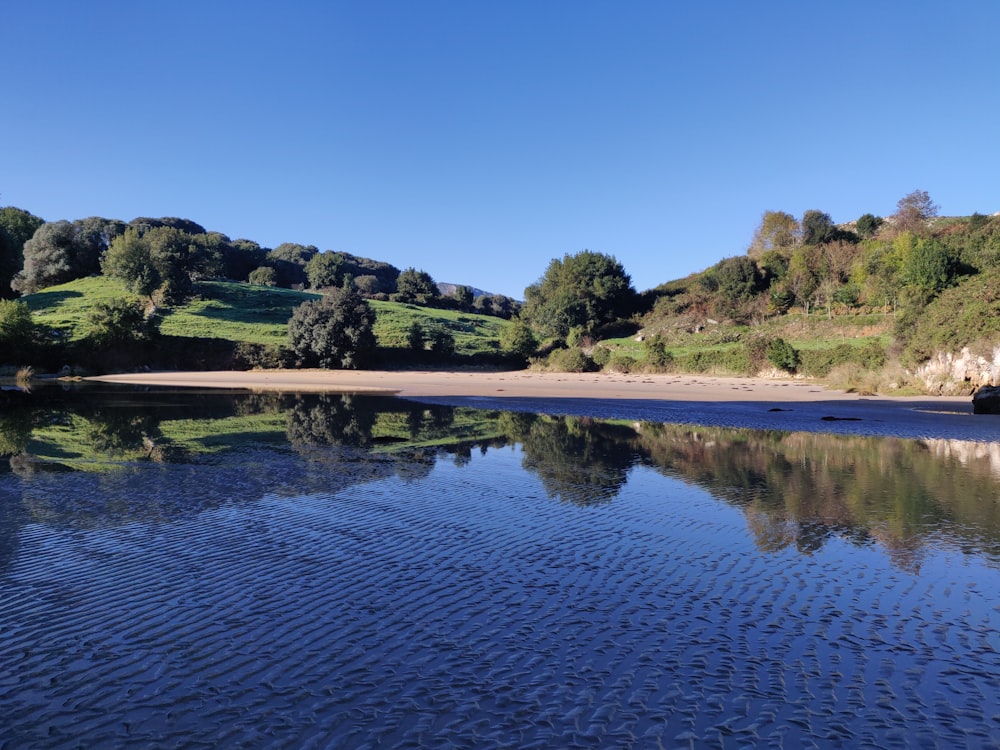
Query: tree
{"x": 61, "y": 251}
{"x": 416, "y": 286}
{"x": 415, "y": 337}
{"x": 120, "y": 322}
{"x": 289, "y": 261}
{"x": 129, "y": 260}
{"x": 325, "y": 270}
{"x": 817, "y": 227}
{"x": 777, "y": 231}
{"x": 17, "y": 330}
{"x": 463, "y": 297}
{"x": 48, "y": 258}
{"x": 335, "y": 332}
{"x": 914, "y": 210}
{"x": 16, "y": 227}
{"x": 240, "y": 258}
{"x": 263, "y": 276}
{"x": 868, "y": 225}
{"x": 518, "y": 340}
{"x": 585, "y": 291}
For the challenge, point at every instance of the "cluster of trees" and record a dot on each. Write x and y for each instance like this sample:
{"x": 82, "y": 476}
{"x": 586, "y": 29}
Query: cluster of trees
{"x": 162, "y": 258}
{"x": 897, "y": 263}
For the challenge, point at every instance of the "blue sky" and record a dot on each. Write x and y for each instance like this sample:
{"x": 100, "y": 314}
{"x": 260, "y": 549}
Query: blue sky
{"x": 478, "y": 140}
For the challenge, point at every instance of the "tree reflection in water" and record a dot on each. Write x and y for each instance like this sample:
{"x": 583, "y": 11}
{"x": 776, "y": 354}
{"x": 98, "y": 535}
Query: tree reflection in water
{"x": 797, "y": 490}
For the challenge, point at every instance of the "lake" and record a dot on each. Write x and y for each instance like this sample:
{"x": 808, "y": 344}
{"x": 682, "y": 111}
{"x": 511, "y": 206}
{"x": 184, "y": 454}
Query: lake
{"x": 185, "y": 568}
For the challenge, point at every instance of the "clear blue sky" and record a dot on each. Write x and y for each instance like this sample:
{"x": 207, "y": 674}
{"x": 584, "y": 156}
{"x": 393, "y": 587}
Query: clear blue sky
{"x": 477, "y": 140}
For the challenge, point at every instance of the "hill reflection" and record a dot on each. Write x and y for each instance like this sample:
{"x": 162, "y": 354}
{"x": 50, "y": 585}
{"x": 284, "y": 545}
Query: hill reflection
{"x": 95, "y": 458}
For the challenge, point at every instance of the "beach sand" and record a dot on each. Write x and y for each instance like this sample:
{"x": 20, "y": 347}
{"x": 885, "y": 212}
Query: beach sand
{"x": 517, "y": 383}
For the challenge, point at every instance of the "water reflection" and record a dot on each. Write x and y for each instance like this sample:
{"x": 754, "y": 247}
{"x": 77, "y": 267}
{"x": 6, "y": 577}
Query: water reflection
{"x": 239, "y": 570}
{"x": 797, "y": 490}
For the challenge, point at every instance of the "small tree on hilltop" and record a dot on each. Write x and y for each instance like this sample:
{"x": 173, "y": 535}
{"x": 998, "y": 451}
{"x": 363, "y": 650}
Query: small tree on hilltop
{"x": 335, "y": 332}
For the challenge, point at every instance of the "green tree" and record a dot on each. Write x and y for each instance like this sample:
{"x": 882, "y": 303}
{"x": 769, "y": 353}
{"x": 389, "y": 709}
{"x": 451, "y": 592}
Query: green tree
{"x": 927, "y": 268}
{"x": 263, "y": 276}
{"x": 584, "y": 291}
{"x": 416, "y": 286}
{"x": 16, "y": 227}
{"x": 777, "y": 230}
{"x": 17, "y": 330}
{"x": 48, "y": 258}
{"x": 325, "y": 270}
{"x": 442, "y": 342}
{"x": 463, "y": 297}
{"x": 868, "y": 225}
{"x": 335, "y": 332}
{"x": 289, "y": 260}
{"x": 817, "y": 227}
{"x": 518, "y": 340}
{"x": 415, "y": 337}
{"x": 120, "y": 322}
{"x": 129, "y": 260}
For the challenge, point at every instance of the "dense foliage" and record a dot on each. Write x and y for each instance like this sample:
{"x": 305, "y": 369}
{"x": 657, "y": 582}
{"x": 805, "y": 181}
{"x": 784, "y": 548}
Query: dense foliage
{"x": 583, "y": 292}
{"x": 335, "y": 332}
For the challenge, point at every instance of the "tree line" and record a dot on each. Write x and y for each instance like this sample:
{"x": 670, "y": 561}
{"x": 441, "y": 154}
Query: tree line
{"x": 160, "y": 259}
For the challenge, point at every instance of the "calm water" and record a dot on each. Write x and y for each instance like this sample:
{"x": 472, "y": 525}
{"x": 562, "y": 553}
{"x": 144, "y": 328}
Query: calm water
{"x": 190, "y": 569}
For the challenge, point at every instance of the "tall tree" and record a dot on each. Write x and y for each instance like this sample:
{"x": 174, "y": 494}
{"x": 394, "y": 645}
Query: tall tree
{"x": 16, "y": 227}
{"x": 913, "y": 211}
{"x": 777, "y": 230}
{"x": 817, "y": 227}
{"x": 325, "y": 270}
{"x": 416, "y": 286}
{"x": 583, "y": 291}
{"x": 335, "y": 332}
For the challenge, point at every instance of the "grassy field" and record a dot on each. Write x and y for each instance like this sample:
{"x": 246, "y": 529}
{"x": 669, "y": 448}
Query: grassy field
{"x": 254, "y": 314}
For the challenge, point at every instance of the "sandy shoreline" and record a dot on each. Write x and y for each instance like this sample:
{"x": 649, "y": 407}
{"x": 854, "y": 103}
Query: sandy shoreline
{"x": 516, "y": 383}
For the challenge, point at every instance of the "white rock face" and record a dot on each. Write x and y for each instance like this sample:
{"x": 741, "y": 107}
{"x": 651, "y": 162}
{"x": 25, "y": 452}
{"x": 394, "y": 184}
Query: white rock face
{"x": 950, "y": 373}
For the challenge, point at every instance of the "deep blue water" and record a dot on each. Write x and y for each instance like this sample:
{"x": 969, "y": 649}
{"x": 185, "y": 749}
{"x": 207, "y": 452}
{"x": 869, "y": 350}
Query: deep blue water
{"x": 349, "y": 572}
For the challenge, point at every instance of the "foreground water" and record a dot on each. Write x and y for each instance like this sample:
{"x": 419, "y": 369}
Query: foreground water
{"x": 184, "y": 569}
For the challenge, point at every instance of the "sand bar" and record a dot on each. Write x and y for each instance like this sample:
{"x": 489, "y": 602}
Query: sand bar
{"x": 516, "y": 383}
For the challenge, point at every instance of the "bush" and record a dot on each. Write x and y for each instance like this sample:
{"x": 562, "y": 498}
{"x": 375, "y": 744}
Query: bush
{"x": 601, "y": 355}
{"x": 571, "y": 360}
{"x": 120, "y": 322}
{"x": 261, "y": 356}
{"x": 518, "y": 339}
{"x": 782, "y": 355}
{"x": 442, "y": 342}
{"x": 415, "y": 337}
{"x": 335, "y": 332}
{"x": 622, "y": 363}
{"x": 657, "y": 355}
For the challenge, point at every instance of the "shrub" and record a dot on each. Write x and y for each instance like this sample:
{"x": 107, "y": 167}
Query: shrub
{"x": 622, "y": 363}
{"x": 415, "y": 337}
{"x": 261, "y": 356}
{"x": 571, "y": 360}
{"x": 335, "y": 332}
{"x": 657, "y": 355}
{"x": 782, "y": 355}
{"x": 518, "y": 339}
{"x": 442, "y": 342}
{"x": 120, "y": 322}
{"x": 601, "y": 355}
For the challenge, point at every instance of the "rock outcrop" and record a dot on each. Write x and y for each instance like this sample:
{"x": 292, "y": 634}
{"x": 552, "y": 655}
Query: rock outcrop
{"x": 986, "y": 400}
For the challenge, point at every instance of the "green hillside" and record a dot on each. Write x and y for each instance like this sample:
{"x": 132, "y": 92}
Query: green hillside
{"x": 244, "y": 313}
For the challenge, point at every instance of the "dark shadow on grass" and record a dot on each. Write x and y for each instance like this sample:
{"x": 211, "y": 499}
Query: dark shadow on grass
{"x": 41, "y": 300}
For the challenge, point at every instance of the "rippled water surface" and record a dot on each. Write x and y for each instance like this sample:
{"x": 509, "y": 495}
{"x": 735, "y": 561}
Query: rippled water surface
{"x": 246, "y": 571}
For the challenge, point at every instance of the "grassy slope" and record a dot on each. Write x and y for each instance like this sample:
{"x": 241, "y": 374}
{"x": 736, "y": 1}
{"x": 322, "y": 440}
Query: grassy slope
{"x": 254, "y": 314}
